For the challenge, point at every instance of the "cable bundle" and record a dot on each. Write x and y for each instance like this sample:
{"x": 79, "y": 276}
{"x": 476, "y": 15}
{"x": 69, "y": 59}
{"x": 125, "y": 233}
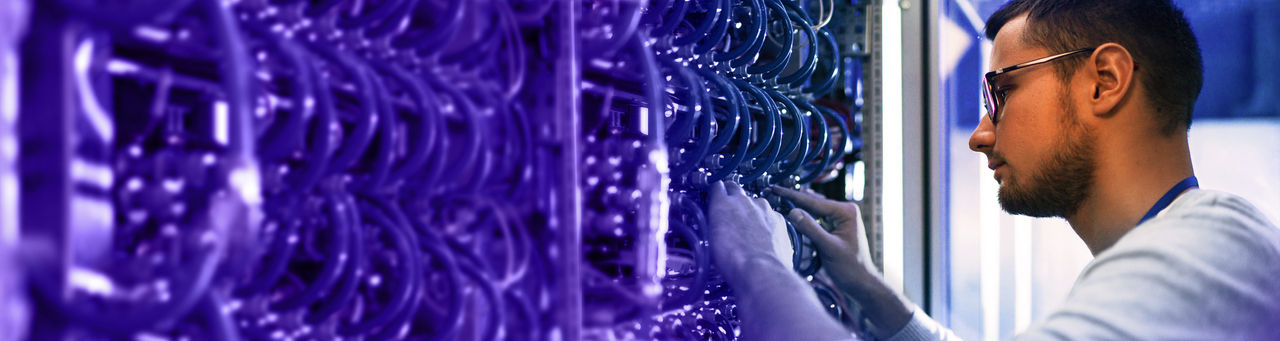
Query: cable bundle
{"x": 309, "y": 170}
{"x": 389, "y": 169}
{"x": 723, "y": 90}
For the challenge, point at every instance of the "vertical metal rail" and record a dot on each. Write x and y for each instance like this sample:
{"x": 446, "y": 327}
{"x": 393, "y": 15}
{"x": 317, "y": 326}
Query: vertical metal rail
{"x": 47, "y": 111}
{"x": 873, "y": 135}
{"x": 569, "y": 195}
{"x": 13, "y": 22}
{"x": 937, "y": 228}
{"x": 917, "y": 159}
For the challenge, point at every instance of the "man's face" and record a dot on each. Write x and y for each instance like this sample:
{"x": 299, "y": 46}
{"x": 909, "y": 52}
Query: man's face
{"x": 1043, "y": 157}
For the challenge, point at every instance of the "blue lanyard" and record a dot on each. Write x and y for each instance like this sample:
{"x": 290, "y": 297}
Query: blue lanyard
{"x": 1169, "y": 196}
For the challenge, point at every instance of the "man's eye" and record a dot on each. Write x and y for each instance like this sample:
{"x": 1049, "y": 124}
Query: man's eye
{"x": 1002, "y": 92}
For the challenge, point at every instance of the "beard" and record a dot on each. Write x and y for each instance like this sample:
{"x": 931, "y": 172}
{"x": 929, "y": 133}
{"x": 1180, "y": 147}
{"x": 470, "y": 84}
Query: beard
{"x": 1063, "y": 182}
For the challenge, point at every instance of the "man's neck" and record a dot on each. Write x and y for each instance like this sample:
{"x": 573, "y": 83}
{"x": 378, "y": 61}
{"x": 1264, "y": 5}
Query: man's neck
{"x": 1127, "y": 183}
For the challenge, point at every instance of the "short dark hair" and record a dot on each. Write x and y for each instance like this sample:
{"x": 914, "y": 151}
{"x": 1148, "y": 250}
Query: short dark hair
{"x": 1155, "y": 32}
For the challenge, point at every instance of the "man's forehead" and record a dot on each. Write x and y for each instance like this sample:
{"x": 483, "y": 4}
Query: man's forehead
{"x": 1009, "y": 48}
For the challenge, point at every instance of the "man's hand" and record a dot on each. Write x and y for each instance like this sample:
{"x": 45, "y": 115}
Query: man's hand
{"x": 750, "y": 246}
{"x": 846, "y": 257}
{"x": 845, "y": 253}
{"x": 742, "y": 229}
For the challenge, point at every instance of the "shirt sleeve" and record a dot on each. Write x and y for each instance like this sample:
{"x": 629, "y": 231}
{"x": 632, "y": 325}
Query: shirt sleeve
{"x": 921, "y": 327}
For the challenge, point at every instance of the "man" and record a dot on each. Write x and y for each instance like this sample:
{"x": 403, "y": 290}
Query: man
{"x": 1088, "y": 111}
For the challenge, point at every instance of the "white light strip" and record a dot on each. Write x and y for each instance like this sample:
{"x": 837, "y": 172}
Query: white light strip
{"x": 221, "y": 122}
{"x": 891, "y": 139}
{"x": 989, "y": 244}
{"x": 86, "y": 172}
{"x": 8, "y": 148}
{"x": 989, "y": 227}
{"x": 1021, "y": 273}
{"x": 90, "y": 281}
{"x": 98, "y": 116}
{"x": 971, "y": 14}
{"x": 92, "y": 224}
{"x": 151, "y": 33}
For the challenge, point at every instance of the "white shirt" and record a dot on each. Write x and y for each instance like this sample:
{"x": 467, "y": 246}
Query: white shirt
{"x": 1205, "y": 268}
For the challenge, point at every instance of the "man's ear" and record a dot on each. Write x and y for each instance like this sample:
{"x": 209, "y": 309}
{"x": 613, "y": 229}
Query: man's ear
{"x": 1114, "y": 68}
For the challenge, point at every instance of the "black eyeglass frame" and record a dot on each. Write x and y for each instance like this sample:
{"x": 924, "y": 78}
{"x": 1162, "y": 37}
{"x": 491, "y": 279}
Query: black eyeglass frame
{"x": 994, "y": 102}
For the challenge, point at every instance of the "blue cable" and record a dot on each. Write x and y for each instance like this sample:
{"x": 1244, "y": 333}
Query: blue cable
{"x": 387, "y": 8}
{"x": 320, "y": 141}
{"x": 798, "y": 144}
{"x": 620, "y": 37}
{"x": 340, "y": 249}
{"x": 384, "y": 156}
{"x": 696, "y": 240}
{"x": 810, "y": 64}
{"x": 703, "y": 137}
{"x": 218, "y": 323}
{"x": 703, "y": 28}
{"x": 394, "y": 25}
{"x": 821, "y": 151}
{"x": 766, "y": 136}
{"x": 654, "y": 12}
{"x": 818, "y": 89}
{"x": 682, "y": 126}
{"x": 539, "y": 14}
{"x": 405, "y": 278}
{"x": 484, "y": 167}
{"x": 718, "y": 31}
{"x": 774, "y": 147}
{"x": 282, "y": 249}
{"x": 429, "y": 41}
{"x": 429, "y": 120}
{"x": 281, "y": 139}
{"x": 478, "y": 52}
{"x": 724, "y": 132}
{"x": 672, "y": 19}
{"x": 468, "y": 162}
{"x": 653, "y": 86}
{"x": 752, "y": 53}
{"x": 755, "y": 32}
{"x": 475, "y": 270}
{"x": 434, "y": 244}
{"x": 341, "y": 296}
{"x": 354, "y": 144}
{"x": 743, "y": 129}
{"x": 318, "y": 10}
{"x": 526, "y": 309}
{"x": 830, "y": 154}
{"x": 772, "y": 68}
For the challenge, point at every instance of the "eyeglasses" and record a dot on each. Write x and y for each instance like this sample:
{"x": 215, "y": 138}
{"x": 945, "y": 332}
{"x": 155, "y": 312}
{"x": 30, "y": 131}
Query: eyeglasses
{"x": 993, "y": 99}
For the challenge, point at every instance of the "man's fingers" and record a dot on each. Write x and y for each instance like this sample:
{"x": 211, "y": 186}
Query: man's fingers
{"x": 809, "y": 227}
{"x": 716, "y": 189}
{"x": 762, "y": 204}
{"x": 808, "y": 201}
{"x": 734, "y": 189}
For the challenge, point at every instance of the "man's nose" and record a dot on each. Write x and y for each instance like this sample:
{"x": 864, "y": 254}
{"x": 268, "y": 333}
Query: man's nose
{"x": 983, "y": 137}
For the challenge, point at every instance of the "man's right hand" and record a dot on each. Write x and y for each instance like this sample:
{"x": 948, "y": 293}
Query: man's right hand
{"x": 846, "y": 257}
{"x": 838, "y": 235}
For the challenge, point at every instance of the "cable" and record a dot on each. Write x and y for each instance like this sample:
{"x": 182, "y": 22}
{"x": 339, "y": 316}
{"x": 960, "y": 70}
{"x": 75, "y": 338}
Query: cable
{"x": 710, "y": 19}
{"x": 717, "y": 33}
{"x": 755, "y": 32}
{"x": 772, "y": 68}
{"x": 341, "y": 248}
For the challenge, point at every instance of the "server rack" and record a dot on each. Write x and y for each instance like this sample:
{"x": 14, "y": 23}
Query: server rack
{"x": 276, "y": 169}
